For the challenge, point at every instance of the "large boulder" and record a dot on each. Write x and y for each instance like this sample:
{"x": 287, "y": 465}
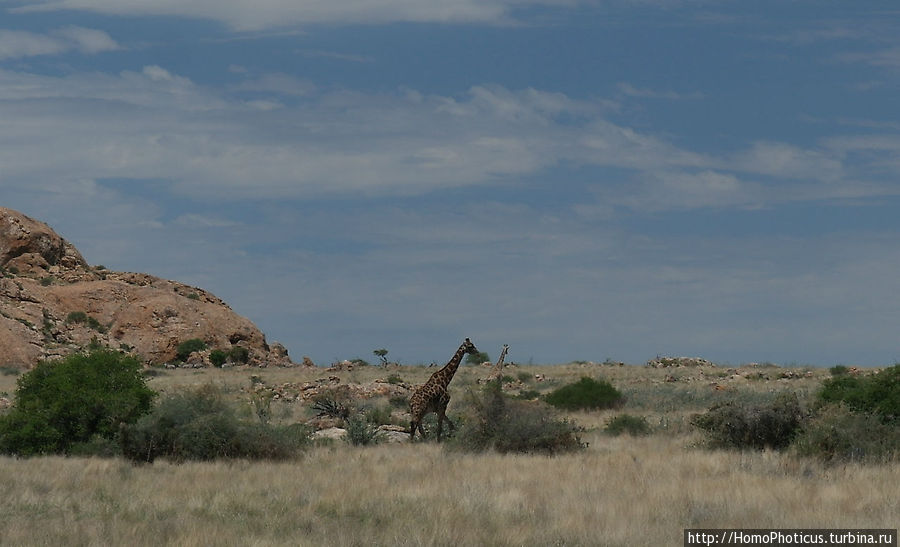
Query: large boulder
{"x": 53, "y": 303}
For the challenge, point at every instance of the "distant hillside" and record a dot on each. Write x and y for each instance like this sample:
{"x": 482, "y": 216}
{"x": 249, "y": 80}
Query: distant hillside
{"x": 53, "y": 303}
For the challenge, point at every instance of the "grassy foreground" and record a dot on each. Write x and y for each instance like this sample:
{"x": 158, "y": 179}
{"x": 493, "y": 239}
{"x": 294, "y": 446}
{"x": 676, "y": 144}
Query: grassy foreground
{"x": 621, "y": 491}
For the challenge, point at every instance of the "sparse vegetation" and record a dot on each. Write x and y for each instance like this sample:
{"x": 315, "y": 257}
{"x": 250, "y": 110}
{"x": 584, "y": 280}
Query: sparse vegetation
{"x": 360, "y": 431}
{"x": 494, "y": 421}
{"x": 562, "y": 499}
{"x": 81, "y": 317}
{"x": 200, "y": 425}
{"x": 837, "y": 434}
{"x": 626, "y": 423}
{"x": 732, "y": 425}
{"x": 585, "y": 394}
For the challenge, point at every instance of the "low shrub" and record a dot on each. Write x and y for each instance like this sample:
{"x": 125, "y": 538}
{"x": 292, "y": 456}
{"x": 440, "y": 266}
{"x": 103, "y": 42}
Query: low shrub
{"x": 186, "y": 348}
{"x": 218, "y": 357}
{"x": 585, "y": 394}
{"x": 626, "y": 423}
{"x": 733, "y": 425}
{"x": 377, "y": 414}
{"x": 494, "y": 421}
{"x": 239, "y": 354}
{"x": 360, "y": 431}
{"x": 836, "y": 434}
{"x": 200, "y": 425}
{"x": 837, "y": 370}
{"x": 81, "y": 317}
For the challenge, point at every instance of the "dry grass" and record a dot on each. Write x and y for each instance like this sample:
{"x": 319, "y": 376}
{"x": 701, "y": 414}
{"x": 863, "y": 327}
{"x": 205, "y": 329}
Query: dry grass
{"x": 621, "y": 491}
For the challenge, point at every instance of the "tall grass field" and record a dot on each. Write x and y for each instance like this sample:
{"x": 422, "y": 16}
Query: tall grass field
{"x": 620, "y": 490}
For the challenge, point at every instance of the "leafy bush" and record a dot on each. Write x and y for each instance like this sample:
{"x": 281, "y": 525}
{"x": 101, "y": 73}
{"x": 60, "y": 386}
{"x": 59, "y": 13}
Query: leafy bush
{"x": 732, "y": 425}
{"x": 626, "y": 423}
{"x": 837, "y": 434}
{"x": 586, "y": 393}
{"x": 186, "y": 348}
{"x": 496, "y": 422}
{"x": 200, "y": 425}
{"x": 218, "y": 357}
{"x": 877, "y": 393}
{"x": 837, "y": 370}
{"x": 69, "y": 401}
{"x": 478, "y": 358}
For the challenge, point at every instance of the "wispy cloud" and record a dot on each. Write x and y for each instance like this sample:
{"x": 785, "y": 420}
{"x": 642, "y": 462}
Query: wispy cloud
{"x": 262, "y": 14}
{"x": 17, "y": 44}
{"x": 631, "y": 91}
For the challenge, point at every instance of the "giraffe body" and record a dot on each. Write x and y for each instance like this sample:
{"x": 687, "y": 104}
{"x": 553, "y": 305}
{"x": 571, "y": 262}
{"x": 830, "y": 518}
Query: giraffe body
{"x": 432, "y": 396}
{"x": 496, "y": 374}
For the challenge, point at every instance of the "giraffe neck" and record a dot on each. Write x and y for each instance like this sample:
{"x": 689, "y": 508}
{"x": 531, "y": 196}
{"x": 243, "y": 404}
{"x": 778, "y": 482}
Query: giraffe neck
{"x": 499, "y": 366}
{"x": 445, "y": 374}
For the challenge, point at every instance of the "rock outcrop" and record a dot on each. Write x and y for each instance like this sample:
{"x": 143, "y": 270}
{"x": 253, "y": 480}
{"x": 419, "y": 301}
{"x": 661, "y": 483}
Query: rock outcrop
{"x": 53, "y": 303}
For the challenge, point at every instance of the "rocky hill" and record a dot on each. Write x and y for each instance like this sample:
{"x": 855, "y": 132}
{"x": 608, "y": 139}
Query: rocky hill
{"x": 53, "y": 303}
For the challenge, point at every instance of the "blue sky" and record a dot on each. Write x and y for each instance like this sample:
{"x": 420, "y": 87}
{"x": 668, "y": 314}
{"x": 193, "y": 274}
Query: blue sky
{"x": 577, "y": 179}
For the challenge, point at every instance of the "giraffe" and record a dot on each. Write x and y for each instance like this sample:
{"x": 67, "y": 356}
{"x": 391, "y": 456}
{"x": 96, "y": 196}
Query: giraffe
{"x": 432, "y": 396}
{"x": 495, "y": 374}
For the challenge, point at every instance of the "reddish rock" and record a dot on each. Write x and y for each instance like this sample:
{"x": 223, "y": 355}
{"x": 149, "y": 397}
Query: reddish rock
{"x": 53, "y": 303}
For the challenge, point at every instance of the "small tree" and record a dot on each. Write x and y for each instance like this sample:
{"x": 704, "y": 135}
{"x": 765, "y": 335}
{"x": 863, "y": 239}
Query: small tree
{"x": 65, "y": 402}
{"x": 478, "y": 358}
{"x": 382, "y": 354}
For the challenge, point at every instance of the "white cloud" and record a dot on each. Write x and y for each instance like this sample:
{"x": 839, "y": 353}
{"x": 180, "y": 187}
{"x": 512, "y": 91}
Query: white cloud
{"x": 260, "y": 14}
{"x": 17, "y": 44}
{"x": 298, "y": 141}
{"x": 786, "y": 160}
{"x": 88, "y": 40}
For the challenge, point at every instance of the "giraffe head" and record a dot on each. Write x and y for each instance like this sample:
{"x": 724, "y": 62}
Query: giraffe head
{"x": 469, "y": 347}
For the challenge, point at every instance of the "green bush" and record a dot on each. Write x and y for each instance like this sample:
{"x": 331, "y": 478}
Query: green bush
{"x": 732, "y": 425}
{"x": 876, "y": 393}
{"x": 837, "y": 370}
{"x": 65, "y": 402}
{"x": 239, "y": 354}
{"x": 360, "y": 431}
{"x": 626, "y": 423}
{"x": 186, "y": 348}
{"x": 218, "y": 357}
{"x": 478, "y": 358}
{"x": 200, "y": 425}
{"x": 83, "y": 318}
{"x": 836, "y": 434}
{"x": 585, "y": 394}
{"x": 494, "y": 421}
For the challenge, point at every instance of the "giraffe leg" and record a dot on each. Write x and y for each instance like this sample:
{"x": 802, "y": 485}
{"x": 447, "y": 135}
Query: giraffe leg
{"x": 440, "y": 425}
{"x": 412, "y": 429}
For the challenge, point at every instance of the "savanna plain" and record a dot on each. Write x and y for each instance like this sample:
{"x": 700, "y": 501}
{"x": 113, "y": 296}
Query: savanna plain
{"x": 619, "y": 490}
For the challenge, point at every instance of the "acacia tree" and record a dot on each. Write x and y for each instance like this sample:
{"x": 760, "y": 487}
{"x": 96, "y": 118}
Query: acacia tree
{"x": 382, "y": 354}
